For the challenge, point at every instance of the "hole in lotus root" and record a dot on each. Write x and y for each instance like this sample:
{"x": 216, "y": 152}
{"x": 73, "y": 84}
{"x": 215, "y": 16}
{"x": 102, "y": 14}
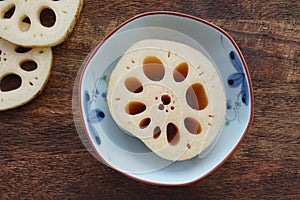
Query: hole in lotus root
{"x": 196, "y": 97}
{"x": 47, "y": 17}
{"x": 145, "y": 123}
{"x": 192, "y": 125}
{"x": 188, "y": 146}
{"x": 25, "y": 24}
{"x": 153, "y": 68}
{"x": 28, "y": 65}
{"x": 133, "y": 85}
{"x": 135, "y": 107}
{"x": 166, "y": 99}
{"x": 180, "y": 72}
{"x": 9, "y": 11}
{"x": 10, "y": 82}
{"x": 156, "y": 132}
{"x": 161, "y": 106}
{"x": 21, "y": 49}
{"x": 172, "y": 134}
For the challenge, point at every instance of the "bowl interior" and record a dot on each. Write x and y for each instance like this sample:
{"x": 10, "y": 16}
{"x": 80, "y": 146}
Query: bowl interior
{"x": 126, "y": 153}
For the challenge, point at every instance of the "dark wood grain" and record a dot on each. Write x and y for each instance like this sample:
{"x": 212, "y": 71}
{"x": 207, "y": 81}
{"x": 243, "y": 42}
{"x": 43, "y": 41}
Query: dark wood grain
{"x": 42, "y": 157}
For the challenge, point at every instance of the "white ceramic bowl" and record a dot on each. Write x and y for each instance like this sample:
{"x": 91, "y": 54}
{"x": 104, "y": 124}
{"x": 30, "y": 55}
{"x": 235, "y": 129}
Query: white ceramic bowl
{"x": 125, "y": 153}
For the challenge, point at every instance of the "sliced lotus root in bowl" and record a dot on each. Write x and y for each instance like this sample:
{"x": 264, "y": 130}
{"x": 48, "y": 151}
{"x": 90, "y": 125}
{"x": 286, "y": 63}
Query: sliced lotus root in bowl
{"x": 168, "y": 95}
{"x": 38, "y": 22}
{"x": 24, "y": 73}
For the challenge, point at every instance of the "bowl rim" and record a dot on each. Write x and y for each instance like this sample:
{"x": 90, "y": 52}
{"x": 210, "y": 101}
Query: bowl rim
{"x": 178, "y": 14}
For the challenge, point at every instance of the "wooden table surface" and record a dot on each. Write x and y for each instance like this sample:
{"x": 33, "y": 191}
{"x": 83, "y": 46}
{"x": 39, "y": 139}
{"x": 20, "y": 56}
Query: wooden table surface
{"x": 42, "y": 157}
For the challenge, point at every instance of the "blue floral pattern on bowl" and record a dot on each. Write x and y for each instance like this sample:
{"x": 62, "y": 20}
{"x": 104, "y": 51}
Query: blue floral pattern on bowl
{"x": 236, "y": 80}
{"x": 95, "y": 115}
